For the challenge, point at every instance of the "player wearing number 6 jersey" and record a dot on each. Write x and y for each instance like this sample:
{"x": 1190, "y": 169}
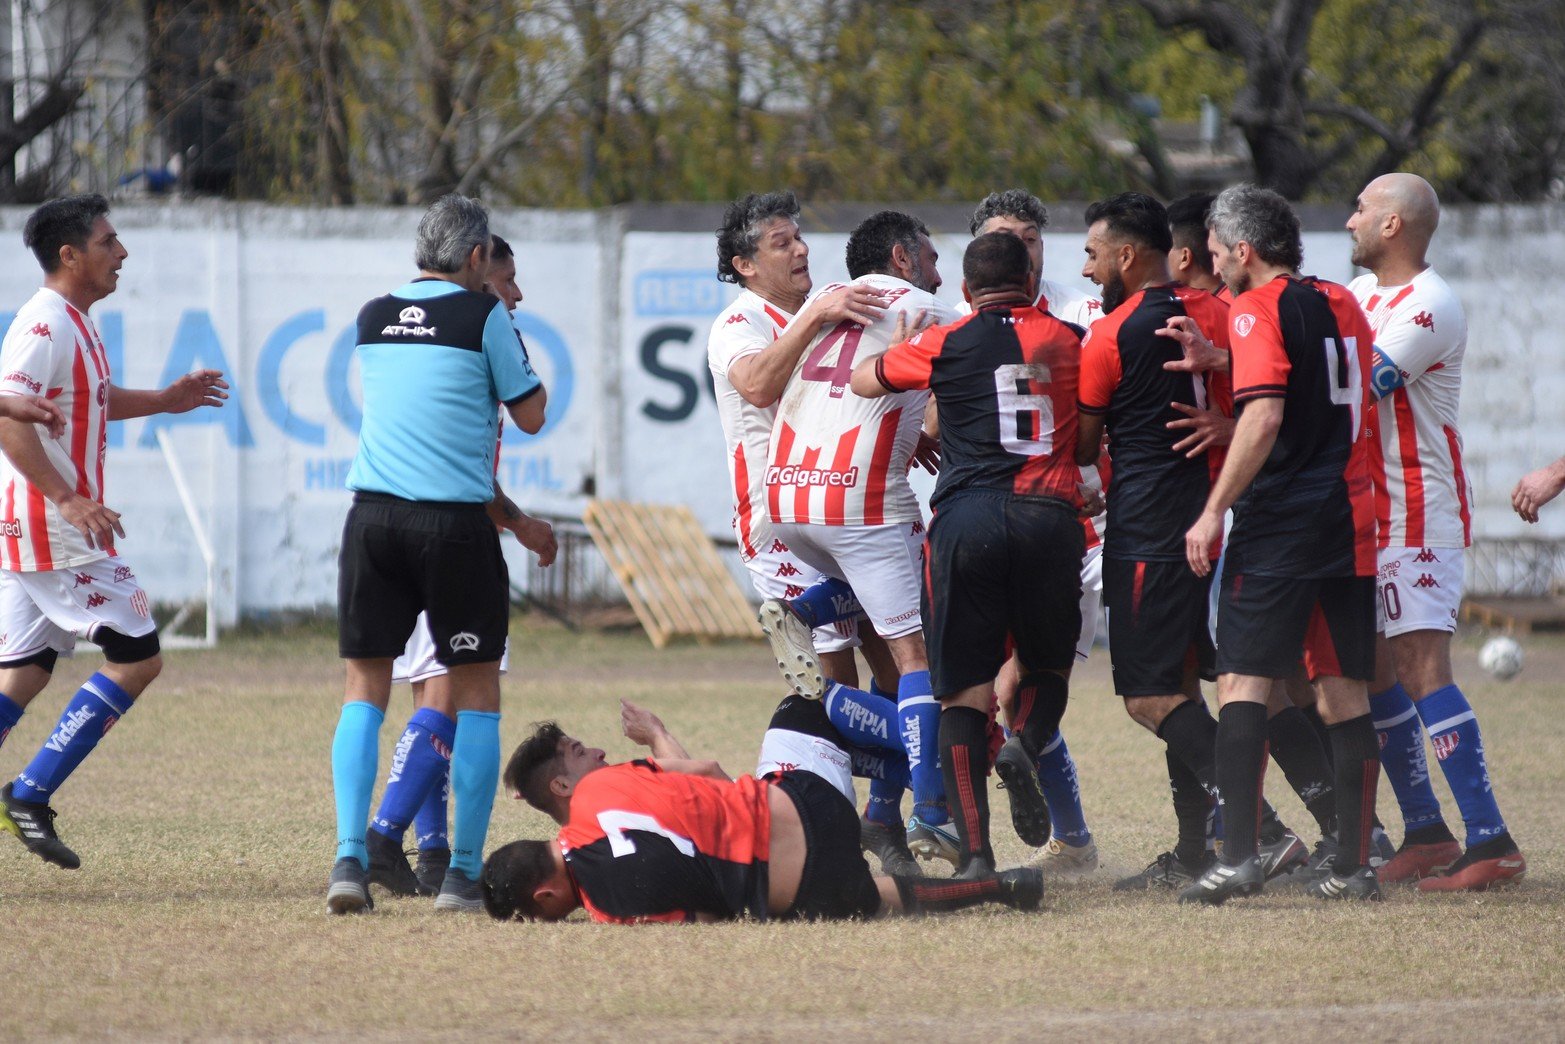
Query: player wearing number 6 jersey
{"x": 1301, "y": 554}
{"x": 836, "y": 480}
{"x": 1425, "y": 524}
{"x": 1005, "y": 545}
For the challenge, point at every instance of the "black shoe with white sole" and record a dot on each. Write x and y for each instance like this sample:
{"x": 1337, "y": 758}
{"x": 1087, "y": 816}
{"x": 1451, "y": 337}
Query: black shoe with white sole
{"x": 1222, "y": 882}
{"x": 33, "y": 824}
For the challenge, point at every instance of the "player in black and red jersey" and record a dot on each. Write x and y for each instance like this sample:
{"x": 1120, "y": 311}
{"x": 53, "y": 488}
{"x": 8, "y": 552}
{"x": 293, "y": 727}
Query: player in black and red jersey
{"x": 1301, "y": 555}
{"x": 672, "y": 839}
{"x": 1004, "y": 549}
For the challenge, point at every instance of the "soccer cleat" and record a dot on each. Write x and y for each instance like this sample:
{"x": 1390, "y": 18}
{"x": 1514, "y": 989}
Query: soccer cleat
{"x": 1283, "y": 855}
{"x": 1018, "y": 772}
{"x": 349, "y": 891}
{"x": 1064, "y": 860}
{"x": 33, "y": 825}
{"x": 1021, "y": 888}
{"x": 888, "y": 843}
{"x": 1360, "y": 886}
{"x": 459, "y": 893}
{"x": 794, "y": 648}
{"x": 1481, "y": 868}
{"x": 1222, "y": 882}
{"x": 931, "y": 841}
{"x": 1166, "y": 871}
{"x": 975, "y": 869}
{"x": 389, "y": 865}
{"x": 431, "y": 869}
{"x": 1381, "y": 850}
{"x": 1413, "y": 862}
{"x": 1320, "y": 866}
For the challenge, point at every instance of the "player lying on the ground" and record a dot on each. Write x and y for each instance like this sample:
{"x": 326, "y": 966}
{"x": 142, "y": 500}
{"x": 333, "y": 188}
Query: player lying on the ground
{"x": 673, "y": 839}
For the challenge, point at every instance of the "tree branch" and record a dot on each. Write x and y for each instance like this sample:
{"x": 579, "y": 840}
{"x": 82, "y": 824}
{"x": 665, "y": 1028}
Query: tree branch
{"x": 1225, "y": 27}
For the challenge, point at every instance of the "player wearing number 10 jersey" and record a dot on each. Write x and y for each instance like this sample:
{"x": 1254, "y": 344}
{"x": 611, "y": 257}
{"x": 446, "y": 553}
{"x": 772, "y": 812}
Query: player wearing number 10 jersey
{"x": 1301, "y": 554}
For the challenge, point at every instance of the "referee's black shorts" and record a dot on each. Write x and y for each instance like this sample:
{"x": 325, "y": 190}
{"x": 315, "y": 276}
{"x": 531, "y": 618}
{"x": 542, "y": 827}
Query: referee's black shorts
{"x": 402, "y": 556}
{"x": 999, "y": 565}
{"x": 1157, "y": 625}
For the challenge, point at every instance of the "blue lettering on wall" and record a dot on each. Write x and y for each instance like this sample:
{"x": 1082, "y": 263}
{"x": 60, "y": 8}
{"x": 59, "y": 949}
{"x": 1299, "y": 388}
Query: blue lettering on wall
{"x": 561, "y": 381}
{"x": 337, "y": 390}
{"x": 196, "y": 347}
{"x": 111, "y": 328}
{"x": 679, "y": 291}
{"x": 268, "y": 373}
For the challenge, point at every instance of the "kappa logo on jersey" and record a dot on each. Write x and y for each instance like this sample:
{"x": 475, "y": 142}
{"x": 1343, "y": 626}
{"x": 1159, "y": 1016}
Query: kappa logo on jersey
{"x": 1243, "y": 324}
{"x": 779, "y": 548}
{"x": 1425, "y": 580}
{"x": 1425, "y": 320}
{"x": 96, "y": 599}
{"x": 82, "y": 580}
{"x": 1425, "y": 555}
{"x": 790, "y": 475}
{"x": 39, "y": 330}
{"x": 918, "y": 527}
{"x": 737, "y": 317}
{"x": 464, "y": 641}
{"x": 410, "y": 323}
{"x": 1445, "y": 744}
{"x": 122, "y": 574}
{"x": 792, "y": 590}
{"x": 787, "y": 569}
{"x": 18, "y": 377}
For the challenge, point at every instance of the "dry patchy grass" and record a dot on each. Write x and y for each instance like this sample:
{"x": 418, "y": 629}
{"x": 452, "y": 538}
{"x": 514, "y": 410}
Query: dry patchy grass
{"x": 206, "y": 829}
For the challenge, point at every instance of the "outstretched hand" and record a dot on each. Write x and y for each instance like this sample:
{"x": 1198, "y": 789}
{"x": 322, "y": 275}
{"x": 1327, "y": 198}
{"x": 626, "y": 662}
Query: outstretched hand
{"x": 199, "y": 388}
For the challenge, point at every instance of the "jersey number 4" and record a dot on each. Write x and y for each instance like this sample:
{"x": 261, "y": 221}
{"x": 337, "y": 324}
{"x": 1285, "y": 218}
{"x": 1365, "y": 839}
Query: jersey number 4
{"x": 1015, "y": 399}
{"x": 614, "y": 823}
{"x": 1343, "y": 379}
{"x": 844, "y": 337}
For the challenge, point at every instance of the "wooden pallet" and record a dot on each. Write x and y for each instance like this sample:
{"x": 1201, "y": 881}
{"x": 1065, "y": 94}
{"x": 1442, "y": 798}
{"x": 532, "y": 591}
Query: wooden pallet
{"x": 670, "y": 572}
{"x": 1516, "y": 615}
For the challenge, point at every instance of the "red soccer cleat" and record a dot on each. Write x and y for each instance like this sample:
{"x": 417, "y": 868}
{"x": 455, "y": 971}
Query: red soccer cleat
{"x": 1480, "y": 875}
{"x": 1413, "y": 862}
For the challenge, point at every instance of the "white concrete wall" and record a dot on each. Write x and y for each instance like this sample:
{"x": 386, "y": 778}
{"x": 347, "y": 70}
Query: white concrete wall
{"x": 617, "y": 324}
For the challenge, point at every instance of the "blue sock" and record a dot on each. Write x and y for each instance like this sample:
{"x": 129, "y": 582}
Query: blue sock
{"x": 864, "y": 719}
{"x": 1402, "y": 756}
{"x": 919, "y": 717}
{"x": 354, "y": 750}
{"x": 417, "y": 765}
{"x": 888, "y": 780}
{"x": 826, "y": 602}
{"x": 10, "y": 714}
{"x": 97, "y": 705}
{"x": 1062, "y": 792}
{"x": 1453, "y": 732}
{"x": 429, "y": 825}
{"x": 475, "y": 772}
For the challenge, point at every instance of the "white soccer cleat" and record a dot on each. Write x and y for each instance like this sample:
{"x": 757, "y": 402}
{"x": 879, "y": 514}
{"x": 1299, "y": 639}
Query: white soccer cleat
{"x": 1061, "y": 860}
{"x": 793, "y": 645}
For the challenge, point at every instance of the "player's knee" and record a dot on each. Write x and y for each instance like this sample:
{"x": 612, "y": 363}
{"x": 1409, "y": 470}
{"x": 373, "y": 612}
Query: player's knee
{"x": 139, "y": 651}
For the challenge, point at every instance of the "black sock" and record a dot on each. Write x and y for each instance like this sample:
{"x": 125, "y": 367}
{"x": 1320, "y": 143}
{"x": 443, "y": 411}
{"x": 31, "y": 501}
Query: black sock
{"x": 1191, "y": 733}
{"x": 1297, "y": 750}
{"x": 964, "y": 765}
{"x": 1356, "y": 751}
{"x": 1322, "y": 730}
{"x": 1192, "y": 805}
{"x": 1040, "y": 704}
{"x": 1241, "y": 765}
{"x": 928, "y": 895}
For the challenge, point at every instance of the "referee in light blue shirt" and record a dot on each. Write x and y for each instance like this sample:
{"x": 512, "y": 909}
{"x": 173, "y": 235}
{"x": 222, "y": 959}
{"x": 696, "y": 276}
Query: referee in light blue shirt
{"x": 437, "y": 357}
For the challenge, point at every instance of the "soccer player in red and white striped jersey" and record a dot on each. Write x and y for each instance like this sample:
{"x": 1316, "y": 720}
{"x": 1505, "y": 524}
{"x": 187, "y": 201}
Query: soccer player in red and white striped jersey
{"x": 1424, "y": 525}
{"x": 60, "y": 574}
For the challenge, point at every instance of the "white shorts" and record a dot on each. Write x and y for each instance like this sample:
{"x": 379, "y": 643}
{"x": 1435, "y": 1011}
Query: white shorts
{"x": 50, "y": 610}
{"x": 778, "y": 573}
{"x": 883, "y": 564}
{"x": 1091, "y": 599}
{"x": 785, "y": 750}
{"x": 1418, "y": 589}
{"x": 417, "y": 662}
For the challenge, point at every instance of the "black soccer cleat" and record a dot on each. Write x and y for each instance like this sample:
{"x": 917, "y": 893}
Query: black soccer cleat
{"x": 1018, "y": 774}
{"x": 1222, "y": 882}
{"x": 1322, "y": 864}
{"x": 1166, "y": 871}
{"x": 1021, "y": 888}
{"x": 349, "y": 890}
{"x": 459, "y": 893}
{"x": 389, "y": 865}
{"x": 431, "y": 869}
{"x": 33, "y": 824}
{"x": 888, "y": 843}
{"x": 1360, "y": 886}
{"x": 1284, "y": 855}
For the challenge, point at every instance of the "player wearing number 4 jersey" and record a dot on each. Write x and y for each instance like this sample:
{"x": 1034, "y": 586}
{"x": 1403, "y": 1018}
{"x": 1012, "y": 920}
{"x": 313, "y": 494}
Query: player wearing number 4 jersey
{"x": 1424, "y": 526}
{"x": 61, "y": 577}
{"x": 836, "y": 480}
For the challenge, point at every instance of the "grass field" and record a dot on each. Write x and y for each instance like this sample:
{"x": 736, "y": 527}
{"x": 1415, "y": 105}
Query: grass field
{"x": 205, "y": 828}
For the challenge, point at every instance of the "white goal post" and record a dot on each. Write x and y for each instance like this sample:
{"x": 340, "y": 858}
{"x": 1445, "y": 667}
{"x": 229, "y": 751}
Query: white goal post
{"x": 169, "y": 635}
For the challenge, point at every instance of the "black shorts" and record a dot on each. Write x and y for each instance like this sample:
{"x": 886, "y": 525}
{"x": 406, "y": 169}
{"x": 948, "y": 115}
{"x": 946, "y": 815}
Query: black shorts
{"x": 836, "y": 884}
{"x": 401, "y": 556}
{"x": 1157, "y": 625}
{"x": 996, "y": 566}
{"x": 1264, "y": 623}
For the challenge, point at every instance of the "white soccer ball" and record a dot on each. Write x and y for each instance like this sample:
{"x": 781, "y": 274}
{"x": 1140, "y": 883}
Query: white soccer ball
{"x": 1501, "y": 657}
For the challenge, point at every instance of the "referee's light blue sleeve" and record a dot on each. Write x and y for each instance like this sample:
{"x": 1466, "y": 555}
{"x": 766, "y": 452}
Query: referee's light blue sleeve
{"x": 509, "y": 370}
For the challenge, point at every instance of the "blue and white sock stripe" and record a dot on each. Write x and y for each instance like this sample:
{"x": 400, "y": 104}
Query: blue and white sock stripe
{"x": 1391, "y": 723}
{"x": 915, "y": 701}
{"x": 1054, "y": 744}
{"x": 1450, "y": 723}
{"x": 94, "y": 686}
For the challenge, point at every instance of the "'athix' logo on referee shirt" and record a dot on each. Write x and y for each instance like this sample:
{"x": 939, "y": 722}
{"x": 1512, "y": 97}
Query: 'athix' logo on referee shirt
{"x": 410, "y": 323}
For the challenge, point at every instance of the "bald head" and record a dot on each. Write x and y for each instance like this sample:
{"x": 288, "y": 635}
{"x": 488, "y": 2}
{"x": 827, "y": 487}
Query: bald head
{"x": 1396, "y": 218}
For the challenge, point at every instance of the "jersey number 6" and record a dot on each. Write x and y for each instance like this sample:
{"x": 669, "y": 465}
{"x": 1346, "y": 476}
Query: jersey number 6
{"x": 1014, "y": 397}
